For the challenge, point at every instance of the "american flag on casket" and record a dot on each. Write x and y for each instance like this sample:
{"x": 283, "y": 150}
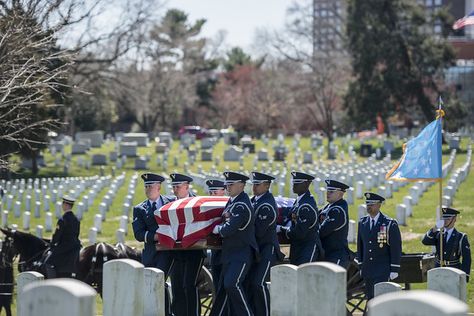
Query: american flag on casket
{"x": 192, "y": 219}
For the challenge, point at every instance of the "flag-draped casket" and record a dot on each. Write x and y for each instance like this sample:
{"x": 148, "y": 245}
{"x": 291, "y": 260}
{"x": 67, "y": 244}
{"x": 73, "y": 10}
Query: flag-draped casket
{"x": 186, "y": 221}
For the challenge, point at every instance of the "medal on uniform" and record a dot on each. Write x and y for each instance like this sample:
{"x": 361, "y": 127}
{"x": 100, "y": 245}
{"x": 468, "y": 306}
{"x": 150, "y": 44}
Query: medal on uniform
{"x": 382, "y": 236}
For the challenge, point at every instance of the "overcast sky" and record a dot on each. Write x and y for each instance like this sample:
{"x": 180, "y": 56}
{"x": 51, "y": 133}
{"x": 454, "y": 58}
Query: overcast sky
{"x": 239, "y": 18}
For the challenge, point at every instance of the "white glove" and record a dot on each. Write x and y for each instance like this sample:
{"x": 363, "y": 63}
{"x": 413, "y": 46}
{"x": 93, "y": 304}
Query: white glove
{"x": 288, "y": 225}
{"x": 439, "y": 223}
{"x": 216, "y": 229}
{"x": 393, "y": 275}
{"x": 278, "y": 228}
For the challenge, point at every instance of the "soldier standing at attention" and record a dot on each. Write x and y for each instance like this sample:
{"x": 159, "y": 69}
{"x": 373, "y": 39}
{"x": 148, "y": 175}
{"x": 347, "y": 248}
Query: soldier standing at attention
{"x": 65, "y": 245}
{"x": 334, "y": 224}
{"x": 302, "y": 225}
{"x": 455, "y": 244}
{"x": 266, "y": 213}
{"x": 239, "y": 248}
{"x": 144, "y": 229}
{"x": 379, "y": 245}
{"x": 187, "y": 263}
{"x": 215, "y": 188}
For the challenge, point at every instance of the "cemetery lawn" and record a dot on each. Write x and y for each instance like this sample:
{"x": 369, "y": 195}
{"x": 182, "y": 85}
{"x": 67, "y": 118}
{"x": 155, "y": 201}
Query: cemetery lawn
{"x": 423, "y": 214}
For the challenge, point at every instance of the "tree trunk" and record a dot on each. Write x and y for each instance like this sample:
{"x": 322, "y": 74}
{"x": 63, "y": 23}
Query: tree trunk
{"x": 34, "y": 163}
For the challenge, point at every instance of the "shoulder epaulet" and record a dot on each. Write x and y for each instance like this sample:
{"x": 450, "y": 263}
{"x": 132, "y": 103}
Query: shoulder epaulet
{"x": 141, "y": 204}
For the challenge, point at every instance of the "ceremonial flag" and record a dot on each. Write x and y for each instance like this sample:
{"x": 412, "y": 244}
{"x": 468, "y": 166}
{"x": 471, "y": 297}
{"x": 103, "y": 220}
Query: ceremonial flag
{"x": 192, "y": 219}
{"x": 421, "y": 159}
{"x": 464, "y": 21}
{"x": 188, "y": 220}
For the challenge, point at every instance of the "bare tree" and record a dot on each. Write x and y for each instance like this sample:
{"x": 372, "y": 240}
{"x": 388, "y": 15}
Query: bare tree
{"x": 31, "y": 70}
{"x": 323, "y": 74}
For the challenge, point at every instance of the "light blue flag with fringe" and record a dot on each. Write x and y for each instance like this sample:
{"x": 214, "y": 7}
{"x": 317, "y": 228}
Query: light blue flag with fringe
{"x": 422, "y": 156}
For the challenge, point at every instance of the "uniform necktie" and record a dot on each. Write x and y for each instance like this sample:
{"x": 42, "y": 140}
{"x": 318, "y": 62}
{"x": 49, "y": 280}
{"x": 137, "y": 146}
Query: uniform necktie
{"x": 372, "y": 224}
{"x": 153, "y": 207}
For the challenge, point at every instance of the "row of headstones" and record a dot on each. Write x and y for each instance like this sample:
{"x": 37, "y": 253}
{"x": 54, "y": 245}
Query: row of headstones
{"x": 81, "y": 207}
{"x": 310, "y": 289}
{"x": 124, "y": 219}
{"x": 128, "y": 289}
{"x": 54, "y": 198}
{"x": 321, "y": 289}
{"x": 455, "y": 180}
{"x": 85, "y": 141}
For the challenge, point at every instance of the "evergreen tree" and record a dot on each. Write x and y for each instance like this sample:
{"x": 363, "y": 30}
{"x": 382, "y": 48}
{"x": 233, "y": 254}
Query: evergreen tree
{"x": 397, "y": 62}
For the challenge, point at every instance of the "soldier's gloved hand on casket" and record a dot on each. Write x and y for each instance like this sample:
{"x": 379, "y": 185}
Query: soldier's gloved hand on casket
{"x": 217, "y": 229}
{"x": 278, "y": 228}
{"x": 393, "y": 275}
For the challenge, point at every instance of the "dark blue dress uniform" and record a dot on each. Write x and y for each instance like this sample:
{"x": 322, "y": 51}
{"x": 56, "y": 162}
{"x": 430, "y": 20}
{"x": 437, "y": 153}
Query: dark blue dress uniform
{"x": 65, "y": 245}
{"x": 303, "y": 234}
{"x": 379, "y": 249}
{"x": 265, "y": 231}
{"x": 144, "y": 228}
{"x": 186, "y": 268}
{"x": 334, "y": 227}
{"x": 456, "y": 250}
{"x": 239, "y": 248}
{"x": 216, "y": 265}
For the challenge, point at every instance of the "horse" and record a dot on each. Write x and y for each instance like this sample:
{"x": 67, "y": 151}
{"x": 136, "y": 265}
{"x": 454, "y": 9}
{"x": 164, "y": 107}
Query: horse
{"x": 31, "y": 249}
{"x": 7, "y": 256}
{"x": 93, "y": 257}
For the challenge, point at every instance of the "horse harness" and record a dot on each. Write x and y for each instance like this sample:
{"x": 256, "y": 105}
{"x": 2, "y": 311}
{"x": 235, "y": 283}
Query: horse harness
{"x": 94, "y": 270}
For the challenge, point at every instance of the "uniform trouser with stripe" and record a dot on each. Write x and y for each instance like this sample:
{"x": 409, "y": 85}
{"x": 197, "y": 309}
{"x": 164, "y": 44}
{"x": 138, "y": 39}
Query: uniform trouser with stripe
{"x": 184, "y": 278}
{"x": 231, "y": 292}
{"x": 259, "y": 295}
{"x": 165, "y": 262}
{"x": 343, "y": 262}
{"x": 370, "y": 283}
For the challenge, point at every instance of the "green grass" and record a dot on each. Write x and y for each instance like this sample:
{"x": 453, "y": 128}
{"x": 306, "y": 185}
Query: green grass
{"x": 423, "y": 214}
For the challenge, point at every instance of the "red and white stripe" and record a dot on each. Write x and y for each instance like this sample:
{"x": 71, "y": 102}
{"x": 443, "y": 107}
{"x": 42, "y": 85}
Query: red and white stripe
{"x": 188, "y": 220}
{"x": 465, "y": 21}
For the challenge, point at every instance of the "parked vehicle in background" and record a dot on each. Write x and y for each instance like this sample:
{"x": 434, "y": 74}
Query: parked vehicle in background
{"x": 195, "y": 130}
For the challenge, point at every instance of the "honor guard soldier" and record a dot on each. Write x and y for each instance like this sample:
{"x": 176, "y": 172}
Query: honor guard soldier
{"x": 187, "y": 263}
{"x": 266, "y": 213}
{"x": 144, "y": 228}
{"x": 239, "y": 248}
{"x": 63, "y": 255}
{"x": 379, "y": 245}
{"x": 215, "y": 188}
{"x": 302, "y": 223}
{"x": 334, "y": 224}
{"x": 455, "y": 243}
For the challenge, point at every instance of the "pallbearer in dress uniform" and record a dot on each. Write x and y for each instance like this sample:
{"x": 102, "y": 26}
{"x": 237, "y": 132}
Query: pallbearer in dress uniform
{"x": 302, "y": 223}
{"x": 187, "y": 265}
{"x": 239, "y": 248}
{"x": 266, "y": 213}
{"x": 62, "y": 258}
{"x": 215, "y": 188}
{"x": 145, "y": 226}
{"x": 379, "y": 245}
{"x": 334, "y": 224}
{"x": 456, "y": 249}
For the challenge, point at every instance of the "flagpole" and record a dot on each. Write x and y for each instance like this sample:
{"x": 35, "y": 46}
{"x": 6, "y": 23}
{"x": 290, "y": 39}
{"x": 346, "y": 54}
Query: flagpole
{"x": 439, "y": 215}
{"x": 441, "y": 230}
